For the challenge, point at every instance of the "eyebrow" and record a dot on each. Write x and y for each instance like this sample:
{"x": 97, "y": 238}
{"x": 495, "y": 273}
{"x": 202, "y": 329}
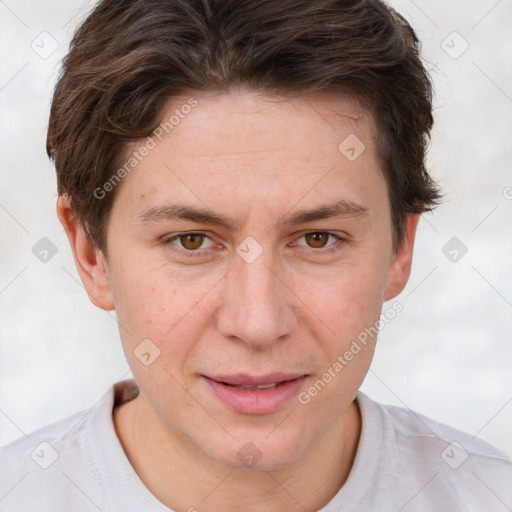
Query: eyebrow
{"x": 183, "y": 212}
{"x": 340, "y": 208}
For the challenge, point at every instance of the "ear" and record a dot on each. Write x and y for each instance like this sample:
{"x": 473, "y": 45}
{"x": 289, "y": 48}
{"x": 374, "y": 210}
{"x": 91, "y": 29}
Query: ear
{"x": 89, "y": 260}
{"x": 400, "y": 268}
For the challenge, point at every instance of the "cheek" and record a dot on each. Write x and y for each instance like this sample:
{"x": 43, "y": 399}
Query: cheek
{"x": 349, "y": 298}
{"x": 350, "y": 305}
{"x": 154, "y": 302}
{"x": 160, "y": 322}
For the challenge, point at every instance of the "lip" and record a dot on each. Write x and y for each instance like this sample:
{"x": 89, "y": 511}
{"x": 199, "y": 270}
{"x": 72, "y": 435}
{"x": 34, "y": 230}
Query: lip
{"x": 263, "y": 401}
{"x": 243, "y": 379}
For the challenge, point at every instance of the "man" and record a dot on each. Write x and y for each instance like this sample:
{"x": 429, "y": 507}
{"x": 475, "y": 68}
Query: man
{"x": 241, "y": 181}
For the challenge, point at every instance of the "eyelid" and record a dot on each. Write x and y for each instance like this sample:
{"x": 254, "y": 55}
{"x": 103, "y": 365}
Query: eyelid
{"x": 339, "y": 238}
{"x": 168, "y": 240}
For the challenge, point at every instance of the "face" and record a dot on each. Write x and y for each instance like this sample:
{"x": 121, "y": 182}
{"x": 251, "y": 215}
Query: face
{"x": 249, "y": 248}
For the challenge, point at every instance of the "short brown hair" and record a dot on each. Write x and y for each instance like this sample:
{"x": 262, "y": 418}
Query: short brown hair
{"x": 129, "y": 57}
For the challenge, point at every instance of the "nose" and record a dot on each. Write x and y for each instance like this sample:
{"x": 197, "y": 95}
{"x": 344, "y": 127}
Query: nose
{"x": 258, "y": 307}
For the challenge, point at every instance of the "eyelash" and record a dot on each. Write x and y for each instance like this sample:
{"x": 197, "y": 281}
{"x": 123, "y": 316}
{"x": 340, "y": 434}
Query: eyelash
{"x": 167, "y": 242}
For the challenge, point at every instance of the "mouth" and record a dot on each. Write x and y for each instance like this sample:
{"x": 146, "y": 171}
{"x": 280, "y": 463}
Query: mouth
{"x": 256, "y": 388}
{"x": 267, "y": 381}
{"x": 255, "y": 395}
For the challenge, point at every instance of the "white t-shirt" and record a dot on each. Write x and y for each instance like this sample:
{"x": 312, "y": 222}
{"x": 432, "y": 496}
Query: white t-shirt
{"x": 405, "y": 462}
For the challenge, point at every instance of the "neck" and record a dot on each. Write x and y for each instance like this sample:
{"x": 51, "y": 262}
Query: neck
{"x": 159, "y": 456}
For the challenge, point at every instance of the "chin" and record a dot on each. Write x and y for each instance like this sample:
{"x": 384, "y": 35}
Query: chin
{"x": 257, "y": 452}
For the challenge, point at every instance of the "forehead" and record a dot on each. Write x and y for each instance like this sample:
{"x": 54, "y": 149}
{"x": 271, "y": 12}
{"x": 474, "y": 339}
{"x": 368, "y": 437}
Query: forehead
{"x": 257, "y": 147}
{"x": 268, "y": 123}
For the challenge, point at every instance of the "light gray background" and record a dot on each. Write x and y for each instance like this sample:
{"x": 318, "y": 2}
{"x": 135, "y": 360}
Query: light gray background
{"x": 447, "y": 354}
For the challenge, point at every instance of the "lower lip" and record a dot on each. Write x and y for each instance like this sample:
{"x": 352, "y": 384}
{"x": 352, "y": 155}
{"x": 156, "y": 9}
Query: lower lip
{"x": 264, "y": 401}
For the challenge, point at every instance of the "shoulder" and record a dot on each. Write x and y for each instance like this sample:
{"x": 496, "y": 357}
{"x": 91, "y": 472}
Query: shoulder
{"x": 418, "y": 432}
{"x": 50, "y": 466}
{"x": 44, "y": 446}
{"x": 439, "y": 462}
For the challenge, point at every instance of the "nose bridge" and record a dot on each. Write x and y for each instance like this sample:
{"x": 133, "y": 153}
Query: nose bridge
{"x": 256, "y": 308}
{"x": 258, "y": 284}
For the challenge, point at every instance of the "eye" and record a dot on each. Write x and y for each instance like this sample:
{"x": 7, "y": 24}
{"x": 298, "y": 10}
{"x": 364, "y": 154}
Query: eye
{"x": 189, "y": 242}
{"x": 319, "y": 239}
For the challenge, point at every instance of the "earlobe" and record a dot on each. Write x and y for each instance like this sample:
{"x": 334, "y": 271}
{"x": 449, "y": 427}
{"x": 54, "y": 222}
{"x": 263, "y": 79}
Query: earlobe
{"x": 400, "y": 268}
{"x": 89, "y": 259}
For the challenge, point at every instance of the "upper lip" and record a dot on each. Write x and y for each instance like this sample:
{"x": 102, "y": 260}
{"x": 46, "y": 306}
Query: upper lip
{"x": 251, "y": 380}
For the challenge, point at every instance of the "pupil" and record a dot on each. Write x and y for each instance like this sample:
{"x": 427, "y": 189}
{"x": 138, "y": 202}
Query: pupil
{"x": 317, "y": 239}
{"x": 192, "y": 241}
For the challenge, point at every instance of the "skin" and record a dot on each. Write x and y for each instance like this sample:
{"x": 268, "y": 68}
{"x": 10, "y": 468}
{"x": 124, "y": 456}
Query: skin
{"x": 255, "y": 159}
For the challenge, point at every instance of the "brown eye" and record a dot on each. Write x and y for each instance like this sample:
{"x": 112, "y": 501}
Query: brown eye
{"x": 317, "y": 240}
{"x": 192, "y": 241}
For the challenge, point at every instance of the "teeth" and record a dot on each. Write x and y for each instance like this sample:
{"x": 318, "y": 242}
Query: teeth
{"x": 267, "y": 386}
{"x": 260, "y": 386}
